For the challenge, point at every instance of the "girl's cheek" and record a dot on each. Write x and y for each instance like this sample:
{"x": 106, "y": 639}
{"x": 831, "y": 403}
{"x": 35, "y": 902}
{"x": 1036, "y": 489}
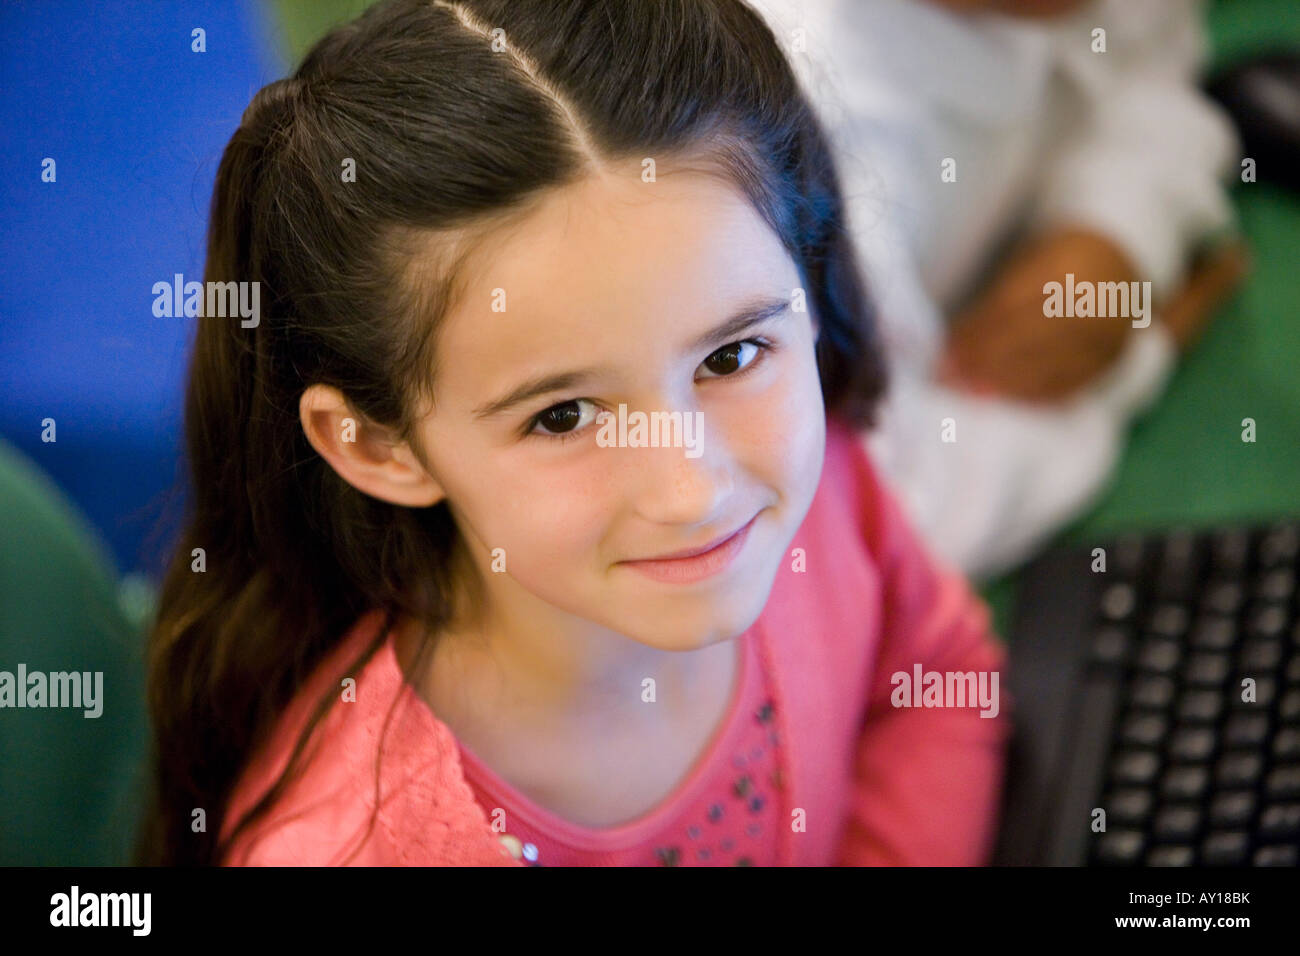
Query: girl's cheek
{"x": 562, "y": 500}
{"x": 777, "y": 421}
{"x": 796, "y": 433}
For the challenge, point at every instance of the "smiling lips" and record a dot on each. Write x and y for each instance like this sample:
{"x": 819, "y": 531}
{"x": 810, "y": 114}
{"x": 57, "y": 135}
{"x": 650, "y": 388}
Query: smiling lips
{"x": 696, "y": 564}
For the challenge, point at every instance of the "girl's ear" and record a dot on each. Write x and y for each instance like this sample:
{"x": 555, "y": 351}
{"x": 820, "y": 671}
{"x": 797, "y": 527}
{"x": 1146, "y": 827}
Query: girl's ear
{"x": 364, "y": 454}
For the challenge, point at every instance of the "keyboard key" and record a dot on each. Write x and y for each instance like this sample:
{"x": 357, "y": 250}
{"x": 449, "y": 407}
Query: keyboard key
{"x": 1120, "y": 847}
{"x": 1169, "y": 620}
{"x": 1173, "y": 855}
{"x": 1144, "y": 729}
{"x": 1152, "y": 692}
{"x": 1208, "y": 670}
{"x": 1185, "y": 782}
{"x": 1239, "y": 769}
{"x": 1292, "y": 674}
{"x": 1160, "y": 655}
{"x": 1283, "y": 783}
{"x": 1268, "y": 620}
{"x": 1246, "y": 730}
{"x": 1260, "y": 655}
{"x": 1136, "y": 767}
{"x": 1283, "y": 854}
{"x": 1130, "y": 807}
{"x": 1200, "y": 706}
{"x": 1214, "y": 634}
{"x": 1276, "y": 585}
{"x": 1192, "y": 744}
{"x": 1233, "y": 808}
{"x": 1225, "y": 849}
{"x": 1223, "y": 597}
{"x": 1289, "y": 710}
{"x": 1281, "y": 821}
{"x": 1119, "y": 601}
{"x": 1280, "y": 545}
{"x": 1176, "y": 823}
{"x": 1110, "y": 646}
{"x": 1286, "y": 744}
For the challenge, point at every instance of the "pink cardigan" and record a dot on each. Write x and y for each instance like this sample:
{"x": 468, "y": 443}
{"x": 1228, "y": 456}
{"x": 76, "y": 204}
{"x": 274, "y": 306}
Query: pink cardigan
{"x": 877, "y": 783}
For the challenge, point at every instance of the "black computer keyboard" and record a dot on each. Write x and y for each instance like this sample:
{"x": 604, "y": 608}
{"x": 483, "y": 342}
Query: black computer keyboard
{"x": 1164, "y": 692}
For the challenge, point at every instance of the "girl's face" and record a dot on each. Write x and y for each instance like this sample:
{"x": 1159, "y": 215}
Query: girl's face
{"x": 612, "y": 292}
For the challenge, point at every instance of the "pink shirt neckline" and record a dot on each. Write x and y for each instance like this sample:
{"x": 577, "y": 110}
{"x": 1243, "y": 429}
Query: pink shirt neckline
{"x": 635, "y": 831}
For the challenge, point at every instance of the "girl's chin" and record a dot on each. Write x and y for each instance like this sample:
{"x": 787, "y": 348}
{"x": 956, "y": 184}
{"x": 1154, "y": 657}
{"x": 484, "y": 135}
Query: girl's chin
{"x": 691, "y": 632}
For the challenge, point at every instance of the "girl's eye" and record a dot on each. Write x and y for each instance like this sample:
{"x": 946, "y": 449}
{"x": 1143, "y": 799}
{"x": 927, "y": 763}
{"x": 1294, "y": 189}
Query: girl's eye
{"x": 568, "y": 420}
{"x": 736, "y": 357}
{"x": 562, "y": 420}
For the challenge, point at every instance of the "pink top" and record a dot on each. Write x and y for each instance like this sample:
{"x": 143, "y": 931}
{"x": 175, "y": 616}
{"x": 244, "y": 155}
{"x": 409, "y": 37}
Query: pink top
{"x": 812, "y": 766}
{"x": 723, "y": 813}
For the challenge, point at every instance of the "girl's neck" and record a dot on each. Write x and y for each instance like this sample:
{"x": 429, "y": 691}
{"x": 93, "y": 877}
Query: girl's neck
{"x": 541, "y": 656}
{"x": 548, "y": 670}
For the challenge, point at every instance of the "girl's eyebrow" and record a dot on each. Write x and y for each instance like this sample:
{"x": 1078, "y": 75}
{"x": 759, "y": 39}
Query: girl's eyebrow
{"x": 752, "y": 313}
{"x": 534, "y": 387}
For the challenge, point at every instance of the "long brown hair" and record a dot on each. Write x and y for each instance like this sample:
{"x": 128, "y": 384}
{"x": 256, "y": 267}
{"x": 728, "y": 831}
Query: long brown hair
{"x": 451, "y": 126}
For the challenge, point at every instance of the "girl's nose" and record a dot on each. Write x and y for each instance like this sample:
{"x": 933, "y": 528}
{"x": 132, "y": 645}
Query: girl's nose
{"x": 674, "y": 488}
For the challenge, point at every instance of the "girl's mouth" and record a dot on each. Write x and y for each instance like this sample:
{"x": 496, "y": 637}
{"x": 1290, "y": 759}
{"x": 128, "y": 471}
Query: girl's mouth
{"x": 695, "y": 567}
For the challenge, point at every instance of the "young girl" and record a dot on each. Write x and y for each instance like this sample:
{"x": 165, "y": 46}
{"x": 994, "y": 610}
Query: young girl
{"x": 444, "y": 598}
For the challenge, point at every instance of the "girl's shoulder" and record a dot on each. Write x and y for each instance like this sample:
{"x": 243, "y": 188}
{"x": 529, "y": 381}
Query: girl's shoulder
{"x": 380, "y": 779}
